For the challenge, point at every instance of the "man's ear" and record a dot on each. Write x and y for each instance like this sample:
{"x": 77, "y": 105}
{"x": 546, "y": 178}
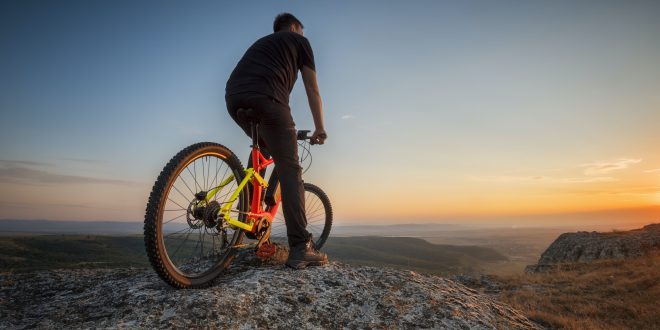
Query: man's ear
{"x": 292, "y": 28}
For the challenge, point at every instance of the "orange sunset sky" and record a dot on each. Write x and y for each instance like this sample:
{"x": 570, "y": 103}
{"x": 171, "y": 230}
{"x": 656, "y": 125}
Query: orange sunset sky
{"x": 508, "y": 112}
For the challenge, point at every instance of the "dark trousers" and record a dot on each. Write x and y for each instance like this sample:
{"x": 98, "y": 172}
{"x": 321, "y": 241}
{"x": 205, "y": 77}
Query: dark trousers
{"x": 277, "y": 135}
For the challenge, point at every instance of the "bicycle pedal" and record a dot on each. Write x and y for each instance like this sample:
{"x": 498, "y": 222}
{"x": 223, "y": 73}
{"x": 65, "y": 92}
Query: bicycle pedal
{"x": 266, "y": 250}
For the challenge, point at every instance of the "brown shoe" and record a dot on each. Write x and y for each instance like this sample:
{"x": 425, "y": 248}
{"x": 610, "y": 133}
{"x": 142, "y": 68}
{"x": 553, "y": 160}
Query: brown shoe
{"x": 304, "y": 255}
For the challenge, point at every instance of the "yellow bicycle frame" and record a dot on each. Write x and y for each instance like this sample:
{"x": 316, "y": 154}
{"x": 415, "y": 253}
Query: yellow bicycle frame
{"x": 226, "y": 209}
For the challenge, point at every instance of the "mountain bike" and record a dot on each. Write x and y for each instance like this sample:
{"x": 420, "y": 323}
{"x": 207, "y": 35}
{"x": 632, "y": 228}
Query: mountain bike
{"x": 204, "y": 202}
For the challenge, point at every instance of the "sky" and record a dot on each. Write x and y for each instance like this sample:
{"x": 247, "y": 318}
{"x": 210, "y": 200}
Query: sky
{"x": 436, "y": 111}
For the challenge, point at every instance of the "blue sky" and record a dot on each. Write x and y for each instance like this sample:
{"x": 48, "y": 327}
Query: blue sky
{"x": 434, "y": 109}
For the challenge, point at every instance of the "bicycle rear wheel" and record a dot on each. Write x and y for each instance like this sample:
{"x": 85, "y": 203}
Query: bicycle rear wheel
{"x": 318, "y": 211}
{"x": 187, "y": 243}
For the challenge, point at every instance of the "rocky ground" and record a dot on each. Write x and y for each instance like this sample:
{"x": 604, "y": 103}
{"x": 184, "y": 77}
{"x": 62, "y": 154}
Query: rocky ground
{"x": 591, "y": 246}
{"x": 266, "y": 295}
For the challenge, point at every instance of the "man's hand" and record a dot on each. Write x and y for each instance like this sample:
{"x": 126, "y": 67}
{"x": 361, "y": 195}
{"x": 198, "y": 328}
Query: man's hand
{"x": 318, "y": 137}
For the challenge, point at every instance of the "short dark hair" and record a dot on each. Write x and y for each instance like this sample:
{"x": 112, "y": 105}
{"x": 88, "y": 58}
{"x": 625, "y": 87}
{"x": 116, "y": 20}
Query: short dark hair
{"x": 284, "y": 21}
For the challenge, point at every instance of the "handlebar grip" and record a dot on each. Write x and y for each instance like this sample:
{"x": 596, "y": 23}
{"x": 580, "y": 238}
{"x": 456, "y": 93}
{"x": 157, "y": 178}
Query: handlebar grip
{"x": 303, "y": 135}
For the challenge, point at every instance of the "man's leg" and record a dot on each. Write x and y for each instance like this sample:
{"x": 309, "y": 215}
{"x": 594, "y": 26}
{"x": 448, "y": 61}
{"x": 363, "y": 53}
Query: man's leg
{"x": 279, "y": 132}
{"x": 277, "y": 129}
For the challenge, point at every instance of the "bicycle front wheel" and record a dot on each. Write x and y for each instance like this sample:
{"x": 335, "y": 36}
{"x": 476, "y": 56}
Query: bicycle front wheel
{"x": 187, "y": 242}
{"x": 318, "y": 211}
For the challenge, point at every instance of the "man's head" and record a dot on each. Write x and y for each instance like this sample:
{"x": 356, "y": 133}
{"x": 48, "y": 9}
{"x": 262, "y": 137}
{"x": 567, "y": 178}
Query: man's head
{"x": 287, "y": 22}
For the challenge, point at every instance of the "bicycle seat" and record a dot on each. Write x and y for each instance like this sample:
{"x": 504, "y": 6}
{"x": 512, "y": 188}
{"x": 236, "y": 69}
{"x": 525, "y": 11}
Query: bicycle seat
{"x": 246, "y": 115}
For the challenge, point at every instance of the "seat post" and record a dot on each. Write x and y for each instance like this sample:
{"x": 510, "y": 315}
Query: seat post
{"x": 254, "y": 129}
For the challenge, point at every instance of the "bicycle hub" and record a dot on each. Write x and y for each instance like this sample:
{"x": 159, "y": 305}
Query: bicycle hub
{"x": 208, "y": 214}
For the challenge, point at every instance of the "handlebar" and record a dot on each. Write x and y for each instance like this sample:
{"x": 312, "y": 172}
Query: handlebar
{"x": 304, "y": 135}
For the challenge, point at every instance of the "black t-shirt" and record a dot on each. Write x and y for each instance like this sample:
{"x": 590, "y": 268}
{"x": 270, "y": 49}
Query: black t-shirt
{"x": 270, "y": 66}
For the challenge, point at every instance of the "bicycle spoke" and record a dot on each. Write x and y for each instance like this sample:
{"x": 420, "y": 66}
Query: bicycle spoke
{"x": 195, "y": 175}
{"x": 216, "y": 176}
{"x": 176, "y": 232}
{"x": 319, "y": 219}
{"x": 164, "y": 223}
{"x": 316, "y": 219}
{"x": 317, "y": 214}
{"x": 308, "y": 204}
{"x": 185, "y": 183}
{"x": 314, "y": 211}
{"x": 185, "y": 240}
{"x": 195, "y": 247}
{"x": 213, "y": 246}
{"x": 230, "y": 191}
{"x": 225, "y": 241}
{"x": 192, "y": 175}
{"x": 201, "y": 246}
{"x": 218, "y": 171}
{"x": 314, "y": 203}
{"x": 180, "y": 193}
{"x": 172, "y": 210}
{"x": 315, "y": 229}
{"x": 230, "y": 187}
{"x": 203, "y": 174}
{"x": 208, "y": 174}
{"x": 169, "y": 199}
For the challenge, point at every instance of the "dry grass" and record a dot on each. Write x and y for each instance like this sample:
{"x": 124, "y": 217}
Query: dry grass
{"x": 615, "y": 294}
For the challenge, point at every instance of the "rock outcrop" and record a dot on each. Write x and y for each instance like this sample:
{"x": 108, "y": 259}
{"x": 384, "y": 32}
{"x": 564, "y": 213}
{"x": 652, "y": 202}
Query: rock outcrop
{"x": 590, "y": 246}
{"x": 256, "y": 296}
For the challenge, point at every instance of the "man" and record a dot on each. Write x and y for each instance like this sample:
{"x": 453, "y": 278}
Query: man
{"x": 263, "y": 80}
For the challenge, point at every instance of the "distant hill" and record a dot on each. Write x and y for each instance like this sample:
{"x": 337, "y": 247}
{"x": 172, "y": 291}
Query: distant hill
{"x": 30, "y": 252}
{"x": 24, "y": 253}
{"x": 8, "y": 226}
{"x": 12, "y": 226}
{"x": 410, "y": 253}
{"x": 414, "y": 230}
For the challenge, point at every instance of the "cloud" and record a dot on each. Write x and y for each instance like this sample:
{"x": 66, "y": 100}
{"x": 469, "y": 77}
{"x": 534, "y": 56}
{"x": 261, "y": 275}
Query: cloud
{"x": 595, "y": 172}
{"x": 347, "y": 117}
{"x": 85, "y": 161}
{"x": 650, "y": 192}
{"x": 589, "y": 179}
{"x": 5, "y": 163}
{"x": 507, "y": 178}
{"x": 539, "y": 179}
{"x": 25, "y": 175}
{"x": 655, "y": 170}
{"x": 598, "y": 168}
{"x": 31, "y": 205}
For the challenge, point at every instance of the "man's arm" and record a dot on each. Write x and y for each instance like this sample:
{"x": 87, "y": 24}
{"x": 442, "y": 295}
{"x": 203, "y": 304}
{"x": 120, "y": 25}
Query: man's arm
{"x": 315, "y": 104}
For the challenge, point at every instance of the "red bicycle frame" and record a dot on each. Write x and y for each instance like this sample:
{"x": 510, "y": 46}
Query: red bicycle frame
{"x": 259, "y": 163}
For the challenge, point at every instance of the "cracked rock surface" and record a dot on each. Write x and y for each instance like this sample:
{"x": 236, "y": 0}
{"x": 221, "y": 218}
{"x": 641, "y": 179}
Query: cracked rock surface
{"x": 266, "y": 295}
